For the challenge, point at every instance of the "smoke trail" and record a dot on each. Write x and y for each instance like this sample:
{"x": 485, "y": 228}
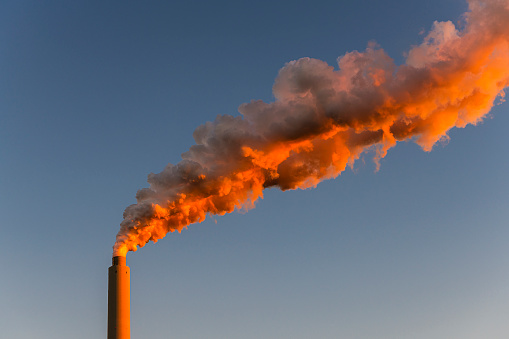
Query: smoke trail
{"x": 323, "y": 119}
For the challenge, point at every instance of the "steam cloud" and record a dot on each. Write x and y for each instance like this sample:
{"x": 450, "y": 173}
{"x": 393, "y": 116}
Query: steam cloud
{"x": 323, "y": 119}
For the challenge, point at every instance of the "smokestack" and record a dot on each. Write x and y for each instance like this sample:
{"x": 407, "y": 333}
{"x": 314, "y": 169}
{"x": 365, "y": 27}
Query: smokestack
{"x": 119, "y": 313}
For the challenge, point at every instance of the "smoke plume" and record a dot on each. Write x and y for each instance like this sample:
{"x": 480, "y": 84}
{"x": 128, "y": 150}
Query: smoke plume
{"x": 323, "y": 119}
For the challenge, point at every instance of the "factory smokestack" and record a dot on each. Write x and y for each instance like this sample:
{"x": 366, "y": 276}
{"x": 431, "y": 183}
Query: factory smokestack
{"x": 119, "y": 312}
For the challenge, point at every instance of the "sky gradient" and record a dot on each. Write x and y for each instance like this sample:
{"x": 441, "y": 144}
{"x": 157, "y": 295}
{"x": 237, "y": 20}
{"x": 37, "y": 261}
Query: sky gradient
{"x": 94, "y": 96}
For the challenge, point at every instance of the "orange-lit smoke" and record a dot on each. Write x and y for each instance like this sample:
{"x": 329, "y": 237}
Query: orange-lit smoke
{"x": 323, "y": 119}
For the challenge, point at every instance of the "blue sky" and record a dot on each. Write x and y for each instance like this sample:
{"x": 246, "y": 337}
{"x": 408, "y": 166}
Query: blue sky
{"x": 94, "y": 96}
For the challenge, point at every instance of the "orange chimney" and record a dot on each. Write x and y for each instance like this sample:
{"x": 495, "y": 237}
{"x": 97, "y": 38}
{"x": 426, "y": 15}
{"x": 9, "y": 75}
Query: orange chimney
{"x": 119, "y": 313}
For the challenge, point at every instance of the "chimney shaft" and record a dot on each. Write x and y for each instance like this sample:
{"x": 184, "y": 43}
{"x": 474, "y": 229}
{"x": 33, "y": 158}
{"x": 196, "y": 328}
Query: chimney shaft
{"x": 119, "y": 316}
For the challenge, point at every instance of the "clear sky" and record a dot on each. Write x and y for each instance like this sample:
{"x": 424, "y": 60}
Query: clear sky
{"x": 96, "y": 95}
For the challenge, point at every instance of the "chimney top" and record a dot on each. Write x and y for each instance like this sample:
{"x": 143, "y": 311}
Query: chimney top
{"x": 118, "y": 261}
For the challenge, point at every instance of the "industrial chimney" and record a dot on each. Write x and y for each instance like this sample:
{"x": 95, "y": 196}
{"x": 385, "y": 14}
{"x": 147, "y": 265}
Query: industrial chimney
{"x": 119, "y": 313}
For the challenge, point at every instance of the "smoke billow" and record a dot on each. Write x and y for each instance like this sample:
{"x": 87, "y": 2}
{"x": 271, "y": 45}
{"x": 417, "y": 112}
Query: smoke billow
{"x": 323, "y": 119}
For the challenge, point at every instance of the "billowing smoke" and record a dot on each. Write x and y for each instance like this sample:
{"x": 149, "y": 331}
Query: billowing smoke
{"x": 323, "y": 119}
